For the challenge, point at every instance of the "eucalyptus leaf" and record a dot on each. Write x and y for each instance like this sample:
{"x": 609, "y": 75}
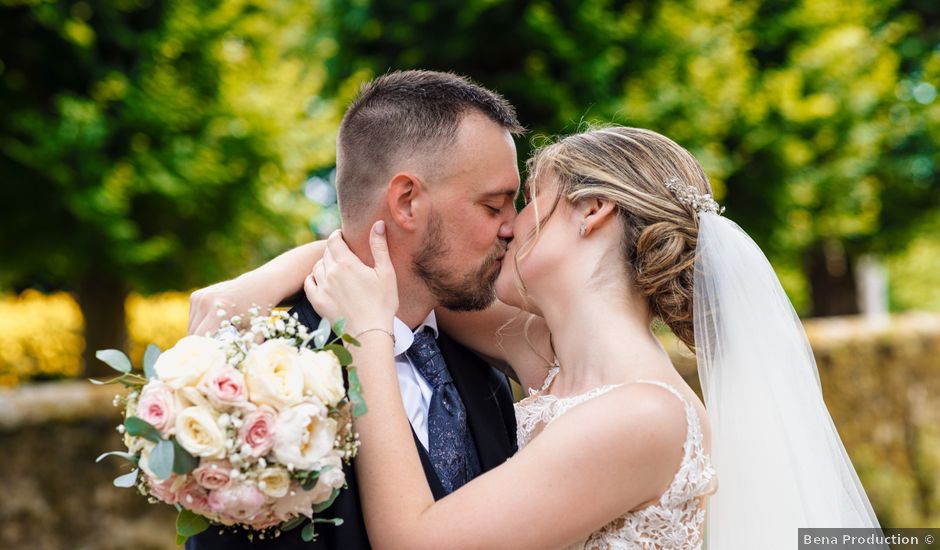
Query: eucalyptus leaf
{"x": 183, "y": 462}
{"x": 141, "y": 428}
{"x": 321, "y": 334}
{"x": 341, "y": 353}
{"x": 181, "y": 540}
{"x": 329, "y": 502}
{"x": 160, "y": 460}
{"x": 189, "y": 523}
{"x": 150, "y": 359}
{"x": 309, "y": 533}
{"x": 355, "y": 393}
{"x": 115, "y": 359}
{"x": 126, "y": 480}
{"x": 132, "y": 458}
{"x": 339, "y": 326}
{"x": 290, "y": 524}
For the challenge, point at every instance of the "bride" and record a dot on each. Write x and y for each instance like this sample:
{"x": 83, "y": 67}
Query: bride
{"x": 615, "y": 450}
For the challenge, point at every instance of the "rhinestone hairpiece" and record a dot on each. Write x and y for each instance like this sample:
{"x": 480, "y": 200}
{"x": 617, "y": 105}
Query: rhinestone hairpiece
{"x": 687, "y": 194}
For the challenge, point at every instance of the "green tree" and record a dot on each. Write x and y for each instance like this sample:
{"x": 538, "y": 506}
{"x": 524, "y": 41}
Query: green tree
{"x": 153, "y": 145}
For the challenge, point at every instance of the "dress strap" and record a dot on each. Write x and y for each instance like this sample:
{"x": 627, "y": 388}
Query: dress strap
{"x": 549, "y": 378}
{"x": 666, "y": 386}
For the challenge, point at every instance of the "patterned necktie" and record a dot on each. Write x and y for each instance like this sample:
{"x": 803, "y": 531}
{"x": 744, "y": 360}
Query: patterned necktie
{"x": 452, "y": 451}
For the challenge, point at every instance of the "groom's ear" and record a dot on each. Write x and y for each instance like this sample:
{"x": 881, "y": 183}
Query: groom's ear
{"x": 403, "y": 190}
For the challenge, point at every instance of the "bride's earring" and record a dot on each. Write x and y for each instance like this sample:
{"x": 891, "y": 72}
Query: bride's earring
{"x": 582, "y": 230}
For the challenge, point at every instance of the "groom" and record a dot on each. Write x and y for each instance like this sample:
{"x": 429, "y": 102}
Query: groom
{"x": 432, "y": 154}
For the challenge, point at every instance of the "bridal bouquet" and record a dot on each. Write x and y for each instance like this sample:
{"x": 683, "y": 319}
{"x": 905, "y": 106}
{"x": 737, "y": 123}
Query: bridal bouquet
{"x": 248, "y": 428}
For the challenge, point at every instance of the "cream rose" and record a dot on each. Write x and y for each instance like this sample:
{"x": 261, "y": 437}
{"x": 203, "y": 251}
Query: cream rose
{"x": 303, "y": 435}
{"x": 273, "y": 374}
{"x": 323, "y": 376}
{"x": 274, "y": 481}
{"x": 198, "y": 432}
{"x": 185, "y": 363}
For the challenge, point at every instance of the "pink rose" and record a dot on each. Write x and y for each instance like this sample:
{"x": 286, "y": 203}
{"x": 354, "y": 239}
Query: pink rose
{"x": 157, "y": 405}
{"x": 239, "y": 502}
{"x": 213, "y": 474}
{"x": 224, "y": 386}
{"x": 257, "y": 432}
{"x": 192, "y": 496}
{"x": 163, "y": 489}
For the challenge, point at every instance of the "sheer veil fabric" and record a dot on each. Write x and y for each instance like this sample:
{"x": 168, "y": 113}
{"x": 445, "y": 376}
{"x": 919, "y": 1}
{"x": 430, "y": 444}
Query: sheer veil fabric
{"x": 780, "y": 462}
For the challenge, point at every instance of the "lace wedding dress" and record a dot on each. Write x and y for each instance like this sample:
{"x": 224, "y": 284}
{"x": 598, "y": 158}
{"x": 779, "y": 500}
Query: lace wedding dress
{"x": 676, "y": 520}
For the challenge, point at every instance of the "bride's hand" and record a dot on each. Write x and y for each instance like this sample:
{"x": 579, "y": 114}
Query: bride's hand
{"x": 342, "y": 286}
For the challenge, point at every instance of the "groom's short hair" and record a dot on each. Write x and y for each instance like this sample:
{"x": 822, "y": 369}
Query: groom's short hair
{"x": 401, "y": 114}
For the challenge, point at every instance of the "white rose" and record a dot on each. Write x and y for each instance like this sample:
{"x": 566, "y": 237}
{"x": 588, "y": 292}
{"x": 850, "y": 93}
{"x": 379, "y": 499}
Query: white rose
{"x": 273, "y": 374}
{"x": 334, "y": 477}
{"x": 185, "y": 363}
{"x": 198, "y": 432}
{"x": 323, "y": 376}
{"x": 276, "y": 481}
{"x": 303, "y": 435}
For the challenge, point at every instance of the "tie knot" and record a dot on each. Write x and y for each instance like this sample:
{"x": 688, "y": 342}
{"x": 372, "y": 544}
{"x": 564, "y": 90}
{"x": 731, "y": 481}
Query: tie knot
{"x": 427, "y": 359}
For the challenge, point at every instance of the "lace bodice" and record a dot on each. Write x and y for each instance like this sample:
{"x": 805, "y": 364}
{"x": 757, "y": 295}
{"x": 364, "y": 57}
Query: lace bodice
{"x": 673, "y": 522}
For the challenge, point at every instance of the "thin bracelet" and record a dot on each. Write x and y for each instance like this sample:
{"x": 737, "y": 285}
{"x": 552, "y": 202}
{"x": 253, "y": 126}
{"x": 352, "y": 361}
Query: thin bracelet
{"x": 382, "y": 330}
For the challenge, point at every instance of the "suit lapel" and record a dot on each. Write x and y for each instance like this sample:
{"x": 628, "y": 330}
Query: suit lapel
{"x": 478, "y": 392}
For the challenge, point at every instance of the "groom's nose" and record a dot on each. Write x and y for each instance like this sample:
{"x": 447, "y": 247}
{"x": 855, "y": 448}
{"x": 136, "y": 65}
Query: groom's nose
{"x": 505, "y": 230}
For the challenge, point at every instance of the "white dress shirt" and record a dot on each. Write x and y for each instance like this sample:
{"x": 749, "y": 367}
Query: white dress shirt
{"x": 415, "y": 390}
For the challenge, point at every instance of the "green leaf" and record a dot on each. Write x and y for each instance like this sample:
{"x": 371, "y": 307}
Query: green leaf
{"x": 183, "y": 462}
{"x": 329, "y": 502}
{"x": 115, "y": 359}
{"x": 351, "y": 341}
{"x": 126, "y": 480}
{"x": 290, "y": 524}
{"x": 189, "y": 523}
{"x": 339, "y": 326}
{"x": 181, "y": 540}
{"x": 355, "y": 393}
{"x": 150, "y": 359}
{"x": 345, "y": 358}
{"x": 132, "y": 458}
{"x": 141, "y": 428}
{"x": 309, "y": 482}
{"x": 321, "y": 334}
{"x": 160, "y": 460}
{"x": 309, "y": 533}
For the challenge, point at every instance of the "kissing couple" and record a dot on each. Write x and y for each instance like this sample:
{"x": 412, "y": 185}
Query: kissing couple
{"x": 450, "y": 290}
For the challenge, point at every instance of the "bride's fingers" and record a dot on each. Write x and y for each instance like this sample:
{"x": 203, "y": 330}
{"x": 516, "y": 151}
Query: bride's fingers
{"x": 338, "y": 248}
{"x": 379, "y": 245}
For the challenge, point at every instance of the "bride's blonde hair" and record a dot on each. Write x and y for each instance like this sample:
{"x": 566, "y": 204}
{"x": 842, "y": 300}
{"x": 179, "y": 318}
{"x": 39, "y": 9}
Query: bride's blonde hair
{"x": 630, "y": 167}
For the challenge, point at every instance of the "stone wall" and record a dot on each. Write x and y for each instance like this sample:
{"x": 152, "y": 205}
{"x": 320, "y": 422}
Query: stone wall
{"x": 54, "y": 495}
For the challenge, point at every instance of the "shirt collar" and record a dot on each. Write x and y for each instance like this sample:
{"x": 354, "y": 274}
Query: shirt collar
{"x": 404, "y": 336}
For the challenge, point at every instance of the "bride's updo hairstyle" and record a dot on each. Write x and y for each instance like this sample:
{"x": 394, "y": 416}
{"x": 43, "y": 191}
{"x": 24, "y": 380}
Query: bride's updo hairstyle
{"x": 630, "y": 167}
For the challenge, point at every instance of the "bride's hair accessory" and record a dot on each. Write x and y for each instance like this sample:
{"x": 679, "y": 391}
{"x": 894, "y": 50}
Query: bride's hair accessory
{"x": 701, "y": 202}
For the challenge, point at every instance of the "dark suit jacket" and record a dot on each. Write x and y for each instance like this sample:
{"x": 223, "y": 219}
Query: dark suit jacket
{"x": 488, "y": 400}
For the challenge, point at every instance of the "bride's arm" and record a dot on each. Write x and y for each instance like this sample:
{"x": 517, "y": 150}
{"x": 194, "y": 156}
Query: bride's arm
{"x": 613, "y": 454}
{"x": 265, "y": 286}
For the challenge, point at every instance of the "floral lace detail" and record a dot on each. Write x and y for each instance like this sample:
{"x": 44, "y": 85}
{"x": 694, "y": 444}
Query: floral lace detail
{"x": 676, "y": 520}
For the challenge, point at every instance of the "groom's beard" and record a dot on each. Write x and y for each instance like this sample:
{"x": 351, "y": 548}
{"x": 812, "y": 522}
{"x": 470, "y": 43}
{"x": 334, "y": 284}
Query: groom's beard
{"x": 473, "y": 291}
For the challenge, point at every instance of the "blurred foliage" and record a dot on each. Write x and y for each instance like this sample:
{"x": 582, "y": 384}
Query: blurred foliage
{"x": 816, "y": 120}
{"x": 155, "y": 139}
{"x": 41, "y": 335}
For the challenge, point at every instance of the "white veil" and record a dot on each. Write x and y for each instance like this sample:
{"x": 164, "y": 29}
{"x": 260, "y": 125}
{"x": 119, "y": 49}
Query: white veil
{"x": 779, "y": 459}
